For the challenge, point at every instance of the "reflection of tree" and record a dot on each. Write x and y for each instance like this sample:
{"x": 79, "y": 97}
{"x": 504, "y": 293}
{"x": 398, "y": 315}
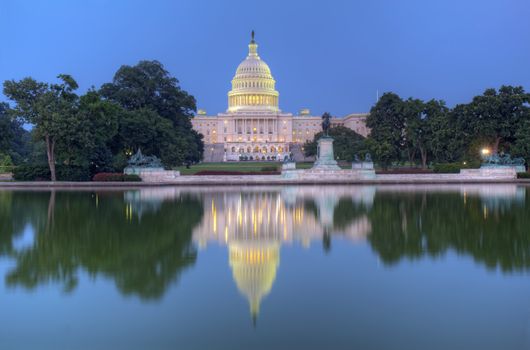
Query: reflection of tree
{"x": 17, "y": 209}
{"x": 415, "y": 224}
{"x": 6, "y": 225}
{"x": 347, "y": 211}
{"x": 100, "y": 234}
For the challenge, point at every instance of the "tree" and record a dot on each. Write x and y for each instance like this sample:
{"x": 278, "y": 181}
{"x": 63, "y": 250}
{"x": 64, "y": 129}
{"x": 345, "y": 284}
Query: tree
{"x": 448, "y": 142}
{"x": 346, "y": 143}
{"x": 422, "y": 119}
{"x": 6, "y": 135}
{"x": 51, "y": 108}
{"x": 15, "y": 141}
{"x": 415, "y": 128}
{"x": 145, "y": 87}
{"x": 101, "y": 118}
{"x": 521, "y": 147}
{"x": 387, "y": 124}
{"x": 496, "y": 115}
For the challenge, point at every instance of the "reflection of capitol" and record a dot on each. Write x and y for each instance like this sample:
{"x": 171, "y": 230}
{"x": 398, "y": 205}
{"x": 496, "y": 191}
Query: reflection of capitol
{"x": 254, "y": 268}
{"x": 255, "y": 224}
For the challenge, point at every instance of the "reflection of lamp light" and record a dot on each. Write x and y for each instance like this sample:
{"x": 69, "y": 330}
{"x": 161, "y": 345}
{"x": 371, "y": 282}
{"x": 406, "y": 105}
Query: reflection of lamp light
{"x": 485, "y": 151}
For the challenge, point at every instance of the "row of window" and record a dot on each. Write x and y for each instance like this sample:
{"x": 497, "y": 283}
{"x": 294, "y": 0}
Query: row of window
{"x": 253, "y": 84}
{"x": 257, "y": 149}
{"x": 253, "y": 100}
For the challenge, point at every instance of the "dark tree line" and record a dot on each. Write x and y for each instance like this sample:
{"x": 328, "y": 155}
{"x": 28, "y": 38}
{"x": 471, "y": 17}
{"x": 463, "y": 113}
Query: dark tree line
{"x": 416, "y": 132}
{"x": 143, "y": 107}
{"x": 413, "y": 130}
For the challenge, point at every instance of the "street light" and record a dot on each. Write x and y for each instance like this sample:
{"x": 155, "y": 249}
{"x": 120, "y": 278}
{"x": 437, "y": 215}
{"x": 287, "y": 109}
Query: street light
{"x": 485, "y": 151}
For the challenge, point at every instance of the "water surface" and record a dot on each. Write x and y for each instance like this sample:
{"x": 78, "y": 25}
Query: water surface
{"x": 367, "y": 267}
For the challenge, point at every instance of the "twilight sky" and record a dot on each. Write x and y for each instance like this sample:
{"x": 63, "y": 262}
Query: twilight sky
{"x": 325, "y": 55}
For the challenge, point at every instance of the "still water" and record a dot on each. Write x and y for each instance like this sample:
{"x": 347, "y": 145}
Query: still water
{"x": 350, "y": 267}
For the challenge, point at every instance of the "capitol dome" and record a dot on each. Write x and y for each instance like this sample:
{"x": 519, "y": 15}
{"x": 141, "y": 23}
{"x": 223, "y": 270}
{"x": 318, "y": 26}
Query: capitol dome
{"x": 253, "y": 87}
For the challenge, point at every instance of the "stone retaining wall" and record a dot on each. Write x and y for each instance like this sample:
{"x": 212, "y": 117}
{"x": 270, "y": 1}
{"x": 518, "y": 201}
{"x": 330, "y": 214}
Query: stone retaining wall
{"x": 6, "y": 177}
{"x": 159, "y": 176}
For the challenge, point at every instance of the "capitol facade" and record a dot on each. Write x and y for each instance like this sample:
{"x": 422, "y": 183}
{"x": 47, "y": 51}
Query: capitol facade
{"x": 254, "y": 127}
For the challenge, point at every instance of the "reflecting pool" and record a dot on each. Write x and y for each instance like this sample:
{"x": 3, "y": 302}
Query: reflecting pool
{"x": 301, "y": 267}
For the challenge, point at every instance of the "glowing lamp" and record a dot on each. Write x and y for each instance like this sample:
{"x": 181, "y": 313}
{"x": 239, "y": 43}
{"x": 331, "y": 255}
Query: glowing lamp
{"x": 485, "y": 151}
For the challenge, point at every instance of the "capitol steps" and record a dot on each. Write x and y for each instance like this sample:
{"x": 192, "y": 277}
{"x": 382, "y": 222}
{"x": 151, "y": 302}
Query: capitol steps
{"x": 213, "y": 153}
{"x": 298, "y": 153}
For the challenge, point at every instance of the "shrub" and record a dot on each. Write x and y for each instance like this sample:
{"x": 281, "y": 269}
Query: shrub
{"x": 6, "y": 169}
{"x": 5, "y": 160}
{"x": 454, "y": 167}
{"x": 72, "y": 173}
{"x": 31, "y": 173}
{"x": 41, "y": 172}
{"x": 269, "y": 168}
{"x": 524, "y": 175}
{"x": 116, "y": 177}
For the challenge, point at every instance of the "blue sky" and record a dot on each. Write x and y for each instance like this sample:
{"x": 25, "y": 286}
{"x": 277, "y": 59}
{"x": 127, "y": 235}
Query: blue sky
{"x": 325, "y": 55}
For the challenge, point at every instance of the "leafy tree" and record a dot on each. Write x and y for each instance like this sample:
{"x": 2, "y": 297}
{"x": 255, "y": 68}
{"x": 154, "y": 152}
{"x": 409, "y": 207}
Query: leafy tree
{"x": 14, "y": 140}
{"x": 101, "y": 118}
{"x": 521, "y": 146}
{"x": 448, "y": 143}
{"x": 347, "y": 143}
{"x": 51, "y": 108}
{"x": 148, "y": 91}
{"x": 415, "y": 129}
{"x": 496, "y": 115}
{"x": 422, "y": 121}
{"x": 6, "y": 135}
{"x": 387, "y": 123}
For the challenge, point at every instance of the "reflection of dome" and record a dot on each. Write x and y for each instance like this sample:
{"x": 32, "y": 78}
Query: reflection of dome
{"x": 254, "y": 266}
{"x": 253, "y": 85}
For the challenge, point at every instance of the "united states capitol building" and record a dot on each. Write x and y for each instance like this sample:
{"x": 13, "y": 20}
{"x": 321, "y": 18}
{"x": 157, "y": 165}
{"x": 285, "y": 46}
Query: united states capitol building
{"x": 254, "y": 127}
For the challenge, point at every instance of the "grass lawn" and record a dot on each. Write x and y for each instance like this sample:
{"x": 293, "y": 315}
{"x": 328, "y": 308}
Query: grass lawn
{"x": 243, "y": 167}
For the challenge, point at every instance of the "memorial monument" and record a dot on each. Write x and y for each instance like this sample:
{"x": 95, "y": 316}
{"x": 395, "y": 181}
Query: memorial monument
{"x": 325, "y": 156}
{"x": 149, "y": 168}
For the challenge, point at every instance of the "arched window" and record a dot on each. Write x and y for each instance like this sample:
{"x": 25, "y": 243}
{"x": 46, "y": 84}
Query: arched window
{"x": 249, "y": 149}
{"x": 233, "y": 150}
{"x": 280, "y": 149}
{"x": 256, "y": 149}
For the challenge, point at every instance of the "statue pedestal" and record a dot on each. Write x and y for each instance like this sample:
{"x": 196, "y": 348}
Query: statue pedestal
{"x": 136, "y": 170}
{"x": 326, "y": 159}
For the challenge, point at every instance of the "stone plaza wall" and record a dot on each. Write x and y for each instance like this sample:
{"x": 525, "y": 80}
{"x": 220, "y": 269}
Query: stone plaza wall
{"x": 159, "y": 176}
{"x": 6, "y": 176}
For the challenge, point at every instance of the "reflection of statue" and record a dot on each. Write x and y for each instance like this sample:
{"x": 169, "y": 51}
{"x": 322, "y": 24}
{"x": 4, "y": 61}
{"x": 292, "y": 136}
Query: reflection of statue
{"x": 356, "y": 158}
{"x": 140, "y": 161}
{"x": 326, "y": 123}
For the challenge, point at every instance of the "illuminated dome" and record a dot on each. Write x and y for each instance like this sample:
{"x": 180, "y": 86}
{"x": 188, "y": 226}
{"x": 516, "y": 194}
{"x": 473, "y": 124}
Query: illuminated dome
{"x": 254, "y": 266}
{"x": 253, "y": 85}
